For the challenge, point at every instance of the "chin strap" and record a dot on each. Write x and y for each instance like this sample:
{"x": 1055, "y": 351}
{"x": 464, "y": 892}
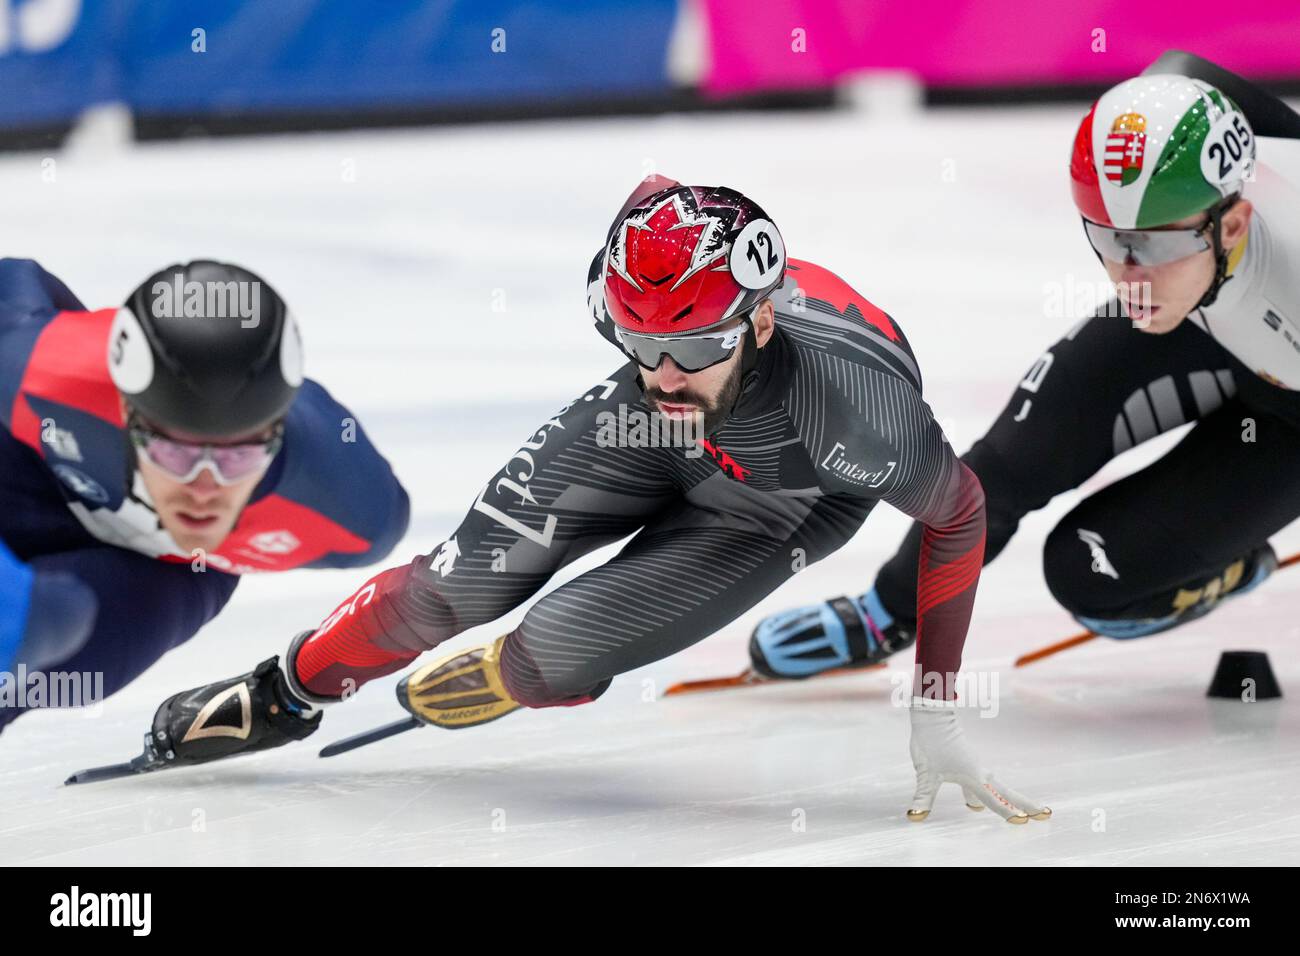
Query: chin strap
{"x": 749, "y": 360}
{"x": 132, "y": 465}
{"x": 750, "y": 373}
{"x": 1220, "y": 254}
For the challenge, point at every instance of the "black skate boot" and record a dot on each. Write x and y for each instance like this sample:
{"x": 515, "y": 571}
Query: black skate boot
{"x": 255, "y": 711}
{"x": 252, "y": 712}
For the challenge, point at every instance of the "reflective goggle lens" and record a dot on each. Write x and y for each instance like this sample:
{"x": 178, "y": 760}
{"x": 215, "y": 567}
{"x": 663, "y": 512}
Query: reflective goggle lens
{"x": 690, "y": 353}
{"x": 183, "y": 461}
{"x": 1145, "y": 247}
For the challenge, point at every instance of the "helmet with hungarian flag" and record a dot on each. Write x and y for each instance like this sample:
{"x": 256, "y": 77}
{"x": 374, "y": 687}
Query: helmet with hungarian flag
{"x": 1159, "y": 148}
{"x": 688, "y": 259}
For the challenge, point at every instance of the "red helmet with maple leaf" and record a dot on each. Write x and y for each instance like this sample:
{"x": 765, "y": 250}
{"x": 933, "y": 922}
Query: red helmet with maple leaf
{"x": 690, "y": 258}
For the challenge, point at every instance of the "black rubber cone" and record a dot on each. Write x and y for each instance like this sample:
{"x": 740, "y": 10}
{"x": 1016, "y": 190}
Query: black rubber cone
{"x": 1245, "y": 676}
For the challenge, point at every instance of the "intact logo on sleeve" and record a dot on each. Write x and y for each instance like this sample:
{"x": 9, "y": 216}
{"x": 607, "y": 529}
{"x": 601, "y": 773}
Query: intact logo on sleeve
{"x": 852, "y": 471}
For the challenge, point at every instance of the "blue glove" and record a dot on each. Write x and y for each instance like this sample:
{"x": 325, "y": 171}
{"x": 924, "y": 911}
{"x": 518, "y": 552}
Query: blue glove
{"x": 15, "y": 601}
{"x": 45, "y": 618}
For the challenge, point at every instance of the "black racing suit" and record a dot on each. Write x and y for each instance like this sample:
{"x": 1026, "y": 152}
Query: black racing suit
{"x": 829, "y": 422}
{"x": 1166, "y": 537}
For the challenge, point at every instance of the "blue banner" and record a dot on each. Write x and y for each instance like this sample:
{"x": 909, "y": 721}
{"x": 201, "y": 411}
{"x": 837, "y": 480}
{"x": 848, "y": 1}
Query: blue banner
{"x": 55, "y": 59}
{"x": 250, "y": 56}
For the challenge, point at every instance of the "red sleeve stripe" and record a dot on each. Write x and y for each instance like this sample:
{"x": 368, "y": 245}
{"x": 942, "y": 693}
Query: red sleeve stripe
{"x": 942, "y": 584}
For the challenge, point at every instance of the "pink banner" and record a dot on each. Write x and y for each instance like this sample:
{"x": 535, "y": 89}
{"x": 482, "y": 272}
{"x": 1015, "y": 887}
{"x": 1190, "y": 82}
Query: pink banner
{"x": 788, "y": 44}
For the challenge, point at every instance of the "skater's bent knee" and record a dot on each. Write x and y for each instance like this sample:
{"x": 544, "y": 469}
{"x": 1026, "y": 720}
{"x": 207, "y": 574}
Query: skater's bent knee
{"x": 528, "y": 686}
{"x": 1080, "y": 574}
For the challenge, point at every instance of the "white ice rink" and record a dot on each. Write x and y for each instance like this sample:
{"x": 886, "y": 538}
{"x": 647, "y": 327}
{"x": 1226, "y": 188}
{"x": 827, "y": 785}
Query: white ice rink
{"x": 438, "y": 276}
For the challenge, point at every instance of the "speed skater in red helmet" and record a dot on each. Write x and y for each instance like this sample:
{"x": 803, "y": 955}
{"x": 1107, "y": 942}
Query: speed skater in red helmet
{"x": 810, "y": 402}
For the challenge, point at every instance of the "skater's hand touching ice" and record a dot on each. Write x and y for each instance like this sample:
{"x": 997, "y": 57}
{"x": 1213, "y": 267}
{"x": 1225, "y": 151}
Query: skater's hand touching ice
{"x": 941, "y": 755}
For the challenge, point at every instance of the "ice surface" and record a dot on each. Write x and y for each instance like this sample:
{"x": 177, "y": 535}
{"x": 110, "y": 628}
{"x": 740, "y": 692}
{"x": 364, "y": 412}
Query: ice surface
{"x": 439, "y": 280}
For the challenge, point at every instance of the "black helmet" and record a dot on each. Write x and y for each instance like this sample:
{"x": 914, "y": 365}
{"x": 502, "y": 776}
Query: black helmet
{"x": 207, "y": 348}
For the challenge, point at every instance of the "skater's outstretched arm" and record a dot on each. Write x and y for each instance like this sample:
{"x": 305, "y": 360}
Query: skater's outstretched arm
{"x": 945, "y": 496}
{"x": 948, "y": 501}
{"x": 889, "y": 447}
